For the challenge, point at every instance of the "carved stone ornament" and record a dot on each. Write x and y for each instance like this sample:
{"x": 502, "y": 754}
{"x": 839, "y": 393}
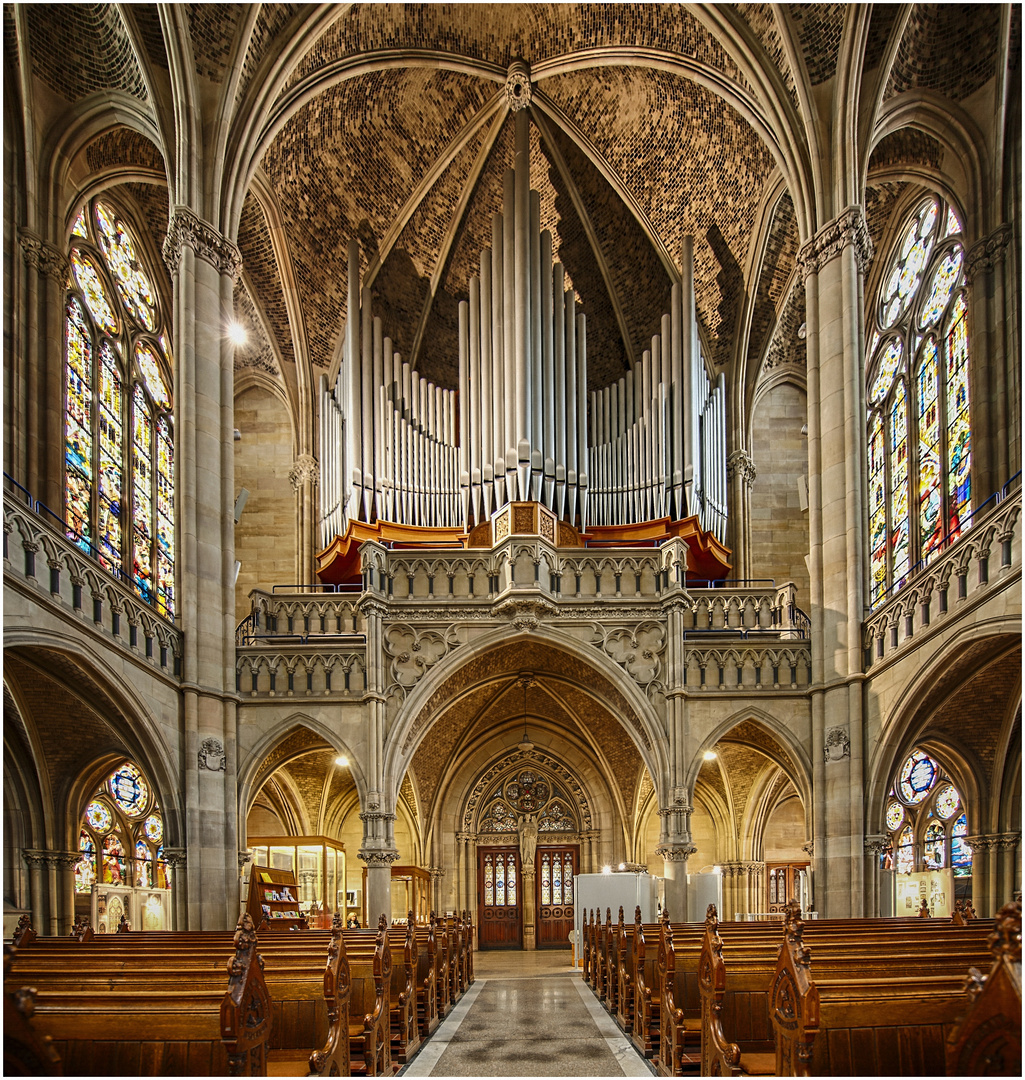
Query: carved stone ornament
{"x": 305, "y": 470}
{"x": 741, "y": 464}
{"x": 983, "y": 255}
{"x": 413, "y": 651}
{"x": 525, "y": 612}
{"x": 848, "y": 227}
{"x": 186, "y": 229}
{"x": 49, "y": 261}
{"x": 676, "y": 853}
{"x": 517, "y": 86}
{"x": 175, "y": 857}
{"x": 637, "y": 649}
{"x": 243, "y": 858}
{"x": 211, "y": 755}
{"x": 378, "y": 858}
{"x": 838, "y": 745}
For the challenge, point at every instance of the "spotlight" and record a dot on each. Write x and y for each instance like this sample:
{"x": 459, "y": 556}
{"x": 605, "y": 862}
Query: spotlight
{"x": 606, "y": 869}
{"x": 622, "y": 866}
{"x": 710, "y": 755}
{"x": 236, "y": 333}
{"x": 342, "y": 760}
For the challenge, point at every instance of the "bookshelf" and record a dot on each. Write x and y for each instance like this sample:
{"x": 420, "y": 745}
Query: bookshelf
{"x": 274, "y": 900}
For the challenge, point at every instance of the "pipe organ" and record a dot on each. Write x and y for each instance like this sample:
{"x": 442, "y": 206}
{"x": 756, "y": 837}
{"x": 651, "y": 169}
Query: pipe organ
{"x": 396, "y": 447}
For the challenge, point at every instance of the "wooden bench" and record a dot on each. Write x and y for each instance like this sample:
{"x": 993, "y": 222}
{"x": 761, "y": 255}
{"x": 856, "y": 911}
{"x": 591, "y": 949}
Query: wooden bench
{"x": 370, "y": 968}
{"x": 405, "y": 959}
{"x": 160, "y": 1027}
{"x": 647, "y": 987}
{"x": 26, "y": 1052}
{"x": 306, "y": 974}
{"x": 987, "y": 1040}
{"x": 442, "y": 961}
{"x": 427, "y": 980}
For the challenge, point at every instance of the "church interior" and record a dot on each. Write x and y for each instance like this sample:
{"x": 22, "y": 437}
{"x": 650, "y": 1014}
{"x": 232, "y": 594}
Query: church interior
{"x": 456, "y": 453}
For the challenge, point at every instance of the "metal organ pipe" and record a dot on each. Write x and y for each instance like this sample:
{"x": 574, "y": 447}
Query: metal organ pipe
{"x": 398, "y": 447}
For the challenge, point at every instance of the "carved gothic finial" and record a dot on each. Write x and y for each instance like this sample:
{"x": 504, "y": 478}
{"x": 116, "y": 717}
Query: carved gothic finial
{"x": 711, "y": 917}
{"x": 1006, "y": 936}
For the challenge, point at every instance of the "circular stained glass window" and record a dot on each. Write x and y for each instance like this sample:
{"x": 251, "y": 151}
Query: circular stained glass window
{"x": 894, "y": 816}
{"x": 98, "y": 816}
{"x": 947, "y": 801}
{"x": 130, "y": 791}
{"x": 154, "y": 829}
{"x": 917, "y": 776}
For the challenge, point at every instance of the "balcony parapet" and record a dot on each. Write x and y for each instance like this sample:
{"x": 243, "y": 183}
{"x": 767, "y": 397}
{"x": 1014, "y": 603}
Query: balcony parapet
{"x": 974, "y": 567}
{"x": 41, "y": 562}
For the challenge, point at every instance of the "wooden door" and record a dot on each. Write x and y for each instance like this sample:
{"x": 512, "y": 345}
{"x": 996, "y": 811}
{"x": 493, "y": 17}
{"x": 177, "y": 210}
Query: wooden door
{"x": 554, "y": 870}
{"x": 782, "y": 884}
{"x": 499, "y": 898}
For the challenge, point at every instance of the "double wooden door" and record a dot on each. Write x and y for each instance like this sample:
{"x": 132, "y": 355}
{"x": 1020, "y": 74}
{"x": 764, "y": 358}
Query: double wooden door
{"x": 785, "y": 882}
{"x": 554, "y": 868}
{"x": 499, "y": 898}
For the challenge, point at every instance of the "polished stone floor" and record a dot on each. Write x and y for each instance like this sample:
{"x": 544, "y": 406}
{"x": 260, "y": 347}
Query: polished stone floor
{"x": 527, "y": 1014}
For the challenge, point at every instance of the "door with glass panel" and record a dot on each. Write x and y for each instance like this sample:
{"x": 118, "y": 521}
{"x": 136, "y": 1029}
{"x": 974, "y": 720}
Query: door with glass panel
{"x": 786, "y": 881}
{"x": 554, "y": 869}
{"x": 499, "y": 898}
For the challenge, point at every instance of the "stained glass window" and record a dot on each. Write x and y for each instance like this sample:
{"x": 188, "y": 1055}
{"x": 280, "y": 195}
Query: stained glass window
{"x": 917, "y": 776}
{"x": 98, "y": 816}
{"x": 557, "y": 879}
{"x": 85, "y": 868}
{"x": 130, "y": 791}
{"x": 510, "y": 881}
{"x": 900, "y": 537}
{"x": 947, "y": 801}
{"x": 894, "y": 816}
{"x": 119, "y": 434}
{"x": 489, "y": 881}
{"x": 935, "y": 846}
{"x": 959, "y": 441}
{"x": 153, "y": 828}
{"x": 500, "y": 881}
{"x": 567, "y": 880}
{"x": 546, "y": 879}
{"x": 906, "y": 851}
{"x": 917, "y": 390}
{"x": 960, "y": 852}
{"x": 113, "y": 872}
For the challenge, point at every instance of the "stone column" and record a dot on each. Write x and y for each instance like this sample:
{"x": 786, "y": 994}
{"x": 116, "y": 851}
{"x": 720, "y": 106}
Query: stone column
{"x": 833, "y": 264}
{"x": 37, "y": 372}
{"x": 985, "y": 850}
{"x": 35, "y": 860}
{"x": 378, "y": 898}
{"x": 674, "y": 863}
{"x": 245, "y": 857}
{"x": 204, "y": 268}
{"x": 740, "y": 476}
{"x": 995, "y": 364}
{"x": 437, "y": 873}
{"x": 875, "y": 845}
{"x": 64, "y": 863}
{"x": 175, "y": 859}
{"x": 1009, "y": 846}
{"x": 305, "y": 478}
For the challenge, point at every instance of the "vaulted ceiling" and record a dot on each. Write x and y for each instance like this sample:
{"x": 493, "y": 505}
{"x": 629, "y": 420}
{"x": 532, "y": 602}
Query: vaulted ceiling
{"x": 390, "y": 123}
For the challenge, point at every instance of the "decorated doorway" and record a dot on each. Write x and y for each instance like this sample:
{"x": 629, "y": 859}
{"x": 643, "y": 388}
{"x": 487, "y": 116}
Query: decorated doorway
{"x": 555, "y": 869}
{"x": 786, "y": 881}
{"x": 499, "y": 898}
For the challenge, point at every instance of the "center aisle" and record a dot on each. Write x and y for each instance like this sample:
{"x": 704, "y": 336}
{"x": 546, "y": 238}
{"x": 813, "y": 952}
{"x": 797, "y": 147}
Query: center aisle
{"x": 527, "y": 1014}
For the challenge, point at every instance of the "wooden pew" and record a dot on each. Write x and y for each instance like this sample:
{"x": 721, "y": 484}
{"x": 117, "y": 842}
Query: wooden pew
{"x": 443, "y": 981}
{"x": 369, "y": 1003}
{"x": 26, "y": 1052}
{"x": 586, "y": 933}
{"x": 161, "y": 1028}
{"x": 307, "y": 976}
{"x": 987, "y": 1040}
{"x": 427, "y": 980}
{"x": 680, "y": 1006}
{"x": 405, "y": 958}
{"x": 647, "y": 987}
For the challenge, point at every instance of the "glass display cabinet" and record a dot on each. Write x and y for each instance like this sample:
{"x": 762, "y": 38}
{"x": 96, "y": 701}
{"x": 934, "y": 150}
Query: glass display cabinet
{"x": 318, "y": 866}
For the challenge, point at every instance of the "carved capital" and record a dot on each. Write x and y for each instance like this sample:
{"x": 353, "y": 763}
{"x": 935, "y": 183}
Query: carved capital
{"x": 36, "y": 858}
{"x": 876, "y": 844}
{"x": 305, "y": 470}
{"x": 436, "y": 872}
{"x": 185, "y": 229}
{"x": 809, "y": 848}
{"x": 243, "y": 858}
{"x": 65, "y": 860}
{"x": 175, "y": 857}
{"x": 847, "y": 228}
{"x": 676, "y": 853}
{"x": 377, "y": 858}
{"x": 740, "y": 464}
{"x": 984, "y": 255}
{"x": 45, "y": 259}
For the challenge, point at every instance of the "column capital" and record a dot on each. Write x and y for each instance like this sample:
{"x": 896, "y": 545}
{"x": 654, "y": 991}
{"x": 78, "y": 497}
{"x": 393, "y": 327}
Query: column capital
{"x": 47, "y": 260}
{"x": 175, "y": 857}
{"x": 186, "y": 229}
{"x": 466, "y": 837}
{"x": 436, "y": 872}
{"x": 741, "y": 464}
{"x": 876, "y": 843}
{"x": 675, "y": 853}
{"x": 847, "y": 228}
{"x": 984, "y": 254}
{"x": 378, "y": 857}
{"x": 243, "y": 858}
{"x": 305, "y": 470}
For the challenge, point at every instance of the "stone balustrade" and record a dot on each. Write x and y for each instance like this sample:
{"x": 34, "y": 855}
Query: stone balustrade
{"x": 973, "y": 568}
{"x": 41, "y": 561}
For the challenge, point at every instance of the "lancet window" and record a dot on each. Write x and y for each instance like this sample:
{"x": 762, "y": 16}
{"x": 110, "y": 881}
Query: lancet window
{"x": 926, "y": 819}
{"x": 118, "y": 422}
{"x": 121, "y": 835}
{"x": 918, "y": 396}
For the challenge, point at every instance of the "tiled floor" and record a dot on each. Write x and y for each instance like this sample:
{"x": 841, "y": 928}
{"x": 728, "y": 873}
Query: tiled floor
{"x": 527, "y": 1014}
